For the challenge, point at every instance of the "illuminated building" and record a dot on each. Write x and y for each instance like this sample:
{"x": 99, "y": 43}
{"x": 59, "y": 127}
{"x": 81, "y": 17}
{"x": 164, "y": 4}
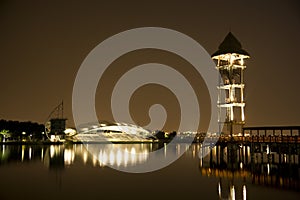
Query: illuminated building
{"x": 230, "y": 63}
{"x": 113, "y": 132}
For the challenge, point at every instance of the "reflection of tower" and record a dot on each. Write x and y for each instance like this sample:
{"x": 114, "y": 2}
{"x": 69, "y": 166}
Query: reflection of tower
{"x": 230, "y": 63}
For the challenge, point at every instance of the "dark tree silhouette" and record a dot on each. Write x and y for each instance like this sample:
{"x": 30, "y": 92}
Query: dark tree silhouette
{"x": 16, "y": 128}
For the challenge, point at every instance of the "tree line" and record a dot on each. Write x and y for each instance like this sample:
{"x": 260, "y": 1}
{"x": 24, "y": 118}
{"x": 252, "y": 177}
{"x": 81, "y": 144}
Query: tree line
{"x": 17, "y": 129}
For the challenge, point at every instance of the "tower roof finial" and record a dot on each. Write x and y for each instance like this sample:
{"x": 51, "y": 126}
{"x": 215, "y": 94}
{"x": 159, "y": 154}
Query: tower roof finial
{"x": 230, "y": 45}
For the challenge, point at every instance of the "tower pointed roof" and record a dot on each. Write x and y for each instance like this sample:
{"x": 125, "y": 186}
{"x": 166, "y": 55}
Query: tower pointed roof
{"x": 230, "y": 45}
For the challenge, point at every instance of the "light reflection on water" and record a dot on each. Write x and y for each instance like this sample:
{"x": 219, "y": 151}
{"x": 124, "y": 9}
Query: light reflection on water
{"x": 235, "y": 166}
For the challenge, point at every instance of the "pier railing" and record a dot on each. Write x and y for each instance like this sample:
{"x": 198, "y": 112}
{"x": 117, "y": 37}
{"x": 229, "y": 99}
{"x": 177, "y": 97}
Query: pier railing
{"x": 278, "y": 134}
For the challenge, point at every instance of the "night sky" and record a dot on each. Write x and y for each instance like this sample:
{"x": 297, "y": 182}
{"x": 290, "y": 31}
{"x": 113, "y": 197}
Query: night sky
{"x": 42, "y": 45}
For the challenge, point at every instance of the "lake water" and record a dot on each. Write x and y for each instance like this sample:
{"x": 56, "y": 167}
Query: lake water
{"x": 230, "y": 171}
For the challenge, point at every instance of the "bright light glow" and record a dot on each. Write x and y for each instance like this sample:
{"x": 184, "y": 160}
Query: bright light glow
{"x": 94, "y": 161}
{"x": 126, "y": 157}
{"x": 114, "y": 132}
{"x": 52, "y": 151}
{"x": 133, "y": 150}
{"x": 243, "y": 114}
{"x": 119, "y": 154}
{"x": 244, "y": 192}
{"x": 23, "y": 149}
{"x": 232, "y": 192}
{"x": 30, "y": 153}
{"x": 214, "y": 151}
{"x": 104, "y": 158}
{"x": 268, "y": 169}
{"x": 69, "y": 156}
{"x": 231, "y": 59}
{"x": 111, "y": 158}
{"x": 242, "y": 61}
{"x": 219, "y": 190}
{"x": 119, "y": 157}
{"x": 133, "y": 155}
{"x": 52, "y": 138}
{"x": 85, "y": 157}
{"x": 70, "y": 131}
{"x": 42, "y": 154}
{"x": 100, "y": 157}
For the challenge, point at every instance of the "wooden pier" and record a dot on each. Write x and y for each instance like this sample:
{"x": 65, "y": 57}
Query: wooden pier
{"x": 272, "y": 134}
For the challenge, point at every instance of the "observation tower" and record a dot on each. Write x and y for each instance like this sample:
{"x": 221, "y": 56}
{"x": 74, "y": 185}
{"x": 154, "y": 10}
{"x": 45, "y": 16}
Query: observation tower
{"x": 230, "y": 60}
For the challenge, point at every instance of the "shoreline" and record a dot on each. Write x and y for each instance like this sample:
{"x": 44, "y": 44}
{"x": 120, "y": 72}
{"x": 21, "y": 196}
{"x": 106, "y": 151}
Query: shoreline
{"x": 212, "y": 140}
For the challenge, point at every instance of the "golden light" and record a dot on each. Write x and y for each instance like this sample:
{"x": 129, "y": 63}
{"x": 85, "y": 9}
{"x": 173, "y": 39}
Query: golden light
{"x": 119, "y": 157}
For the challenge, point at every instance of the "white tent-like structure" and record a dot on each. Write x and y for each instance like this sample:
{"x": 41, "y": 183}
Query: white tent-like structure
{"x": 104, "y": 131}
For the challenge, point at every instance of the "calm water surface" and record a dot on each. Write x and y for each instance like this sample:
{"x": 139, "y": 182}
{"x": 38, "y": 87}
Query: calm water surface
{"x": 229, "y": 171}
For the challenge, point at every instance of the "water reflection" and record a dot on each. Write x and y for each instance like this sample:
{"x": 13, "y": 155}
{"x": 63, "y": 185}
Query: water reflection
{"x": 60, "y": 156}
{"x": 235, "y": 166}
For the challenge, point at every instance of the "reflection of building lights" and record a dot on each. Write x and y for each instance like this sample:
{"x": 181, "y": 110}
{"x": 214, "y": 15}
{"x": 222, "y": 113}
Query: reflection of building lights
{"x": 100, "y": 158}
{"x": 94, "y": 161}
{"x": 85, "y": 157}
{"x": 194, "y": 152}
{"x": 241, "y": 165}
{"x": 244, "y": 192}
{"x": 232, "y": 192}
{"x": 30, "y": 153}
{"x": 248, "y": 152}
{"x": 268, "y": 169}
{"x": 52, "y": 151}
{"x": 141, "y": 156}
{"x": 214, "y": 151}
{"x": 133, "y": 155}
{"x": 219, "y": 189}
{"x": 133, "y": 150}
{"x": 113, "y": 154}
{"x": 146, "y": 154}
{"x": 119, "y": 157}
{"x": 111, "y": 158}
{"x": 23, "y": 149}
{"x": 126, "y": 156}
{"x": 104, "y": 158}
{"x": 42, "y": 154}
{"x": 3, "y": 150}
{"x": 68, "y": 156}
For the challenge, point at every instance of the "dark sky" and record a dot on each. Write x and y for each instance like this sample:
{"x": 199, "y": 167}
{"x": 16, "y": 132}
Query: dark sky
{"x": 42, "y": 45}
